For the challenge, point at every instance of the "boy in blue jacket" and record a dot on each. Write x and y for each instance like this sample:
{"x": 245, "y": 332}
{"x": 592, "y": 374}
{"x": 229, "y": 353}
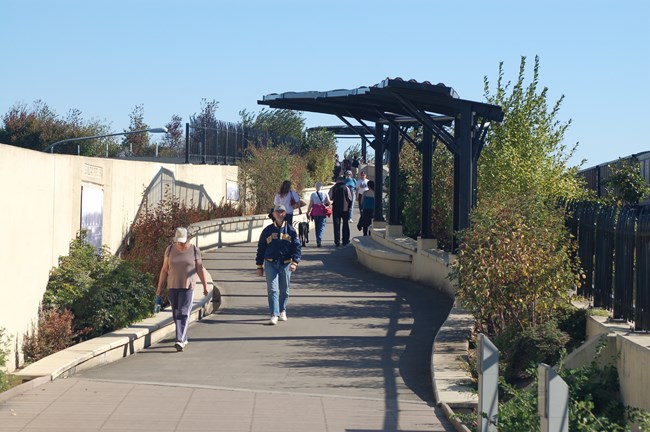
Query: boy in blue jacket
{"x": 278, "y": 255}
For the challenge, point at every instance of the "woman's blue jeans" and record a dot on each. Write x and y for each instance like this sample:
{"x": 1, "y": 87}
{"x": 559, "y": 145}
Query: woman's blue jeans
{"x": 319, "y": 222}
{"x": 278, "y": 281}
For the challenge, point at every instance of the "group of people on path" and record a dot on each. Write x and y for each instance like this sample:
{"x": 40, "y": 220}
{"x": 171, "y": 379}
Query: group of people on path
{"x": 278, "y": 248}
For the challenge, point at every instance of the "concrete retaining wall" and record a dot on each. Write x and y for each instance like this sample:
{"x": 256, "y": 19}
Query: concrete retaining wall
{"x": 41, "y": 196}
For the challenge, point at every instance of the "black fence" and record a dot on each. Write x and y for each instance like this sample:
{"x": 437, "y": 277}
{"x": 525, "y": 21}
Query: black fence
{"x": 614, "y": 250}
{"x": 226, "y": 143}
{"x": 596, "y": 177}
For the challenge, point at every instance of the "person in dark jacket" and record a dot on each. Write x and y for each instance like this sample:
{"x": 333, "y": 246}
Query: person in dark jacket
{"x": 341, "y": 204}
{"x": 278, "y": 255}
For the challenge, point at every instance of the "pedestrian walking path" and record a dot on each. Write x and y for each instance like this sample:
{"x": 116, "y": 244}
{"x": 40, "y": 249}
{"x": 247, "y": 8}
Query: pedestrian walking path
{"x": 354, "y": 355}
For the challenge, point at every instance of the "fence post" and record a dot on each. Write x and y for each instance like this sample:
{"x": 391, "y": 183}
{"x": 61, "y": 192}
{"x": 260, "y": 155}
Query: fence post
{"x": 552, "y": 400}
{"x": 488, "y": 384}
{"x": 187, "y": 143}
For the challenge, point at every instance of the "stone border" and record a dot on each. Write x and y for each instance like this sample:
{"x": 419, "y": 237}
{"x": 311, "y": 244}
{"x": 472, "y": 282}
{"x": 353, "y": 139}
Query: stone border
{"x": 109, "y": 347}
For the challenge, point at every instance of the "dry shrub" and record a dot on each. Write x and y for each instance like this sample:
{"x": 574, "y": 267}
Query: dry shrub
{"x": 52, "y": 333}
{"x": 153, "y": 230}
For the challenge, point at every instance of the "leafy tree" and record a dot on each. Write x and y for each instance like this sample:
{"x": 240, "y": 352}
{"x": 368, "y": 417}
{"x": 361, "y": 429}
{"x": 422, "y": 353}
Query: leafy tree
{"x": 206, "y": 119}
{"x": 173, "y": 143}
{"x": 442, "y": 190}
{"x": 318, "y": 150}
{"x": 515, "y": 261}
{"x": 261, "y": 174}
{"x": 352, "y": 151}
{"x": 514, "y": 265}
{"x": 38, "y": 126}
{"x": 625, "y": 185}
{"x": 207, "y": 116}
{"x": 137, "y": 144}
{"x": 277, "y": 122}
{"x": 525, "y": 153}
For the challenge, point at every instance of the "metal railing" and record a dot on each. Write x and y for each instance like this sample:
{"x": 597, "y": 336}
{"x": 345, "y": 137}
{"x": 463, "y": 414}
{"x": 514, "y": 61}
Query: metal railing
{"x": 226, "y": 143}
{"x": 614, "y": 251}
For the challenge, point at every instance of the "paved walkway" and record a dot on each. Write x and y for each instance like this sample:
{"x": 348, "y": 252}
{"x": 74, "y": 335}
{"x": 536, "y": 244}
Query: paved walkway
{"x": 354, "y": 356}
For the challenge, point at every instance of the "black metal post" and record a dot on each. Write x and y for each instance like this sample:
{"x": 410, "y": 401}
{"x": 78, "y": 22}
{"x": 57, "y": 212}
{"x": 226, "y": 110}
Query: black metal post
{"x": 427, "y": 160}
{"x": 379, "y": 172}
{"x": 463, "y": 169}
{"x": 393, "y": 169}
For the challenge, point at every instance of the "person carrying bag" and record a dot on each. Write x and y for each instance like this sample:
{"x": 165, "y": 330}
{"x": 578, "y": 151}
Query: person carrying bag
{"x": 318, "y": 210}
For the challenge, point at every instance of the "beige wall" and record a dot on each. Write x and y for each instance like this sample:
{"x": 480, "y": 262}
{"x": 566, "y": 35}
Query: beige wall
{"x": 40, "y": 198}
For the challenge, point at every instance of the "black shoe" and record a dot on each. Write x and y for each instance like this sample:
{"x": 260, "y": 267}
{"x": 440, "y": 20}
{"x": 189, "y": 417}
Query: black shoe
{"x": 178, "y": 346}
{"x": 338, "y": 244}
{"x": 317, "y": 244}
{"x": 346, "y": 243}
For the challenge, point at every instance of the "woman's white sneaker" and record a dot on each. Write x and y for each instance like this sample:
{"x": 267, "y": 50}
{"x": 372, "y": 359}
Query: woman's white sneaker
{"x": 283, "y": 316}
{"x": 273, "y": 320}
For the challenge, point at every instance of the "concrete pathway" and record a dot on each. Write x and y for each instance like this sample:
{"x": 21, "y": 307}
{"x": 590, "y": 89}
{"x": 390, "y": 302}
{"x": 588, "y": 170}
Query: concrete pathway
{"x": 354, "y": 356}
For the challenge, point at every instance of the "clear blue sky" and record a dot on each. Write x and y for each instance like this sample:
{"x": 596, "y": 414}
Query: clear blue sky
{"x": 106, "y": 57}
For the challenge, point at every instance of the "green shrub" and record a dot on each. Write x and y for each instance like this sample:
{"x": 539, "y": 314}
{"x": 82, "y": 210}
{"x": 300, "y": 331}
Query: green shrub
{"x": 103, "y": 292}
{"x": 442, "y": 189}
{"x": 572, "y": 321}
{"x": 523, "y": 349}
{"x": 52, "y": 333}
{"x": 514, "y": 265}
{"x": 318, "y": 153}
{"x": 625, "y": 185}
{"x": 4, "y": 382}
{"x": 593, "y": 403}
{"x": 262, "y": 173}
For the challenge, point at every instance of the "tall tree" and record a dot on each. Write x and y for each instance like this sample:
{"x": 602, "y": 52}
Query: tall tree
{"x": 525, "y": 153}
{"x": 38, "y": 126}
{"x": 172, "y": 143}
{"x": 278, "y": 123}
{"x": 318, "y": 150}
{"x": 137, "y": 144}
{"x": 202, "y": 123}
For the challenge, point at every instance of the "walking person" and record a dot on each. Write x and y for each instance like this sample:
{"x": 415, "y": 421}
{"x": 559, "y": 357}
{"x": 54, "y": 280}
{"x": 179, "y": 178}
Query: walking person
{"x": 287, "y": 198}
{"x": 362, "y": 186}
{"x": 181, "y": 264}
{"x": 341, "y": 204}
{"x": 352, "y": 185}
{"x": 355, "y": 165}
{"x": 318, "y": 201}
{"x": 278, "y": 255}
{"x": 367, "y": 208}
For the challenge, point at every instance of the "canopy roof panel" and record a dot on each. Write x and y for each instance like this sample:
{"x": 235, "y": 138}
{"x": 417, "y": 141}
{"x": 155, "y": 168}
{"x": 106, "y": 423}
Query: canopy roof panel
{"x": 390, "y": 98}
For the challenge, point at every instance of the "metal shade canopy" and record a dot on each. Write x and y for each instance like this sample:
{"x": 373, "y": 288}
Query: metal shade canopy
{"x": 461, "y": 125}
{"x": 391, "y": 97}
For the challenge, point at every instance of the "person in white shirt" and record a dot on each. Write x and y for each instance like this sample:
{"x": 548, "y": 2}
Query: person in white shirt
{"x": 287, "y": 198}
{"x": 316, "y": 211}
{"x": 362, "y": 186}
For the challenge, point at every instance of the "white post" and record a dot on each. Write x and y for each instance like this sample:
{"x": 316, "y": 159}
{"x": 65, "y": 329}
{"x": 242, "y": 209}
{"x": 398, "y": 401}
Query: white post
{"x": 552, "y": 400}
{"x": 488, "y": 384}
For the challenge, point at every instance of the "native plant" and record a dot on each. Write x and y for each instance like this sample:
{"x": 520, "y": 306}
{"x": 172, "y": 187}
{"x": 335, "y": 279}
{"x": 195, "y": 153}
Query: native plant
{"x": 317, "y": 151}
{"x": 38, "y": 126}
{"x": 4, "y": 342}
{"x": 525, "y": 153}
{"x": 103, "y": 292}
{"x": 442, "y": 189}
{"x": 593, "y": 403}
{"x": 262, "y": 173}
{"x": 514, "y": 265}
{"x": 153, "y": 229}
{"x": 52, "y": 333}
{"x": 625, "y": 185}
